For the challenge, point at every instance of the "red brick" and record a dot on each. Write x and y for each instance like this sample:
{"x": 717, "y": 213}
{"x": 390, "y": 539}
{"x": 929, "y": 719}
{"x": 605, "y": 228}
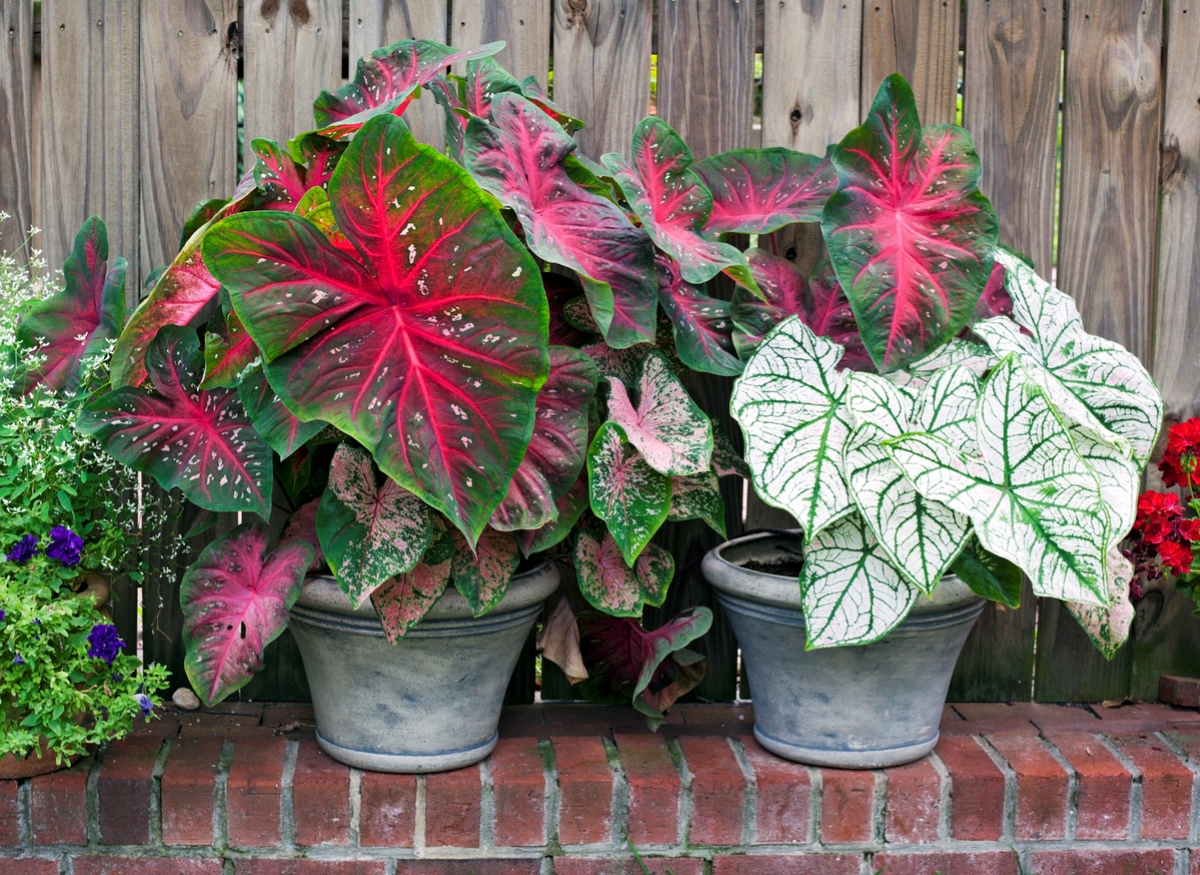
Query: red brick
{"x": 842, "y": 864}
{"x": 1042, "y": 788}
{"x": 187, "y": 791}
{"x": 1103, "y": 863}
{"x": 124, "y": 791}
{"x": 1102, "y": 805}
{"x": 519, "y": 791}
{"x": 914, "y": 799}
{"x": 58, "y": 806}
{"x": 321, "y": 795}
{"x": 468, "y": 867}
{"x": 310, "y": 867}
{"x": 654, "y": 789}
{"x": 31, "y": 866}
{"x": 628, "y": 866}
{"x": 718, "y": 790}
{"x": 1166, "y": 787}
{"x": 126, "y": 866}
{"x": 1179, "y": 691}
{"x": 389, "y": 810}
{"x": 985, "y": 863}
{"x": 255, "y": 791}
{"x": 976, "y": 789}
{"x": 585, "y": 788}
{"x": 10, "y": 812}
{"x": 847, "y": 806}
{"x": 452, "y": 810}
{"x": 784, "y": 797}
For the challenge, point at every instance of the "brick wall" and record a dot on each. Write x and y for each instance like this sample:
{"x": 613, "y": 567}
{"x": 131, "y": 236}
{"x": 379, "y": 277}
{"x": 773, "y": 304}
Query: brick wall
{"x": 246, "y": 791}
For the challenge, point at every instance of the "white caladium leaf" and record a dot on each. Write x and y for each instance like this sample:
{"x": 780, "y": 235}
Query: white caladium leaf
{"x": 878, "y": 404}
{"x": 1109, "y": 627}
{"x": 698, "y": 498}
{"x": 789, "y": 403}
{"x": 625, "y": 492}
{"x": 1120, "y": 480}
{"x": 850, "y": 592}
{"x": 669, "y": 430}
{"x": 976, "y": 357}
{"x": 1093, "y": 381}
{"x": 618, "y": 587}
{"x": 947, "y": 408}
{"x": 1031, "y": 498}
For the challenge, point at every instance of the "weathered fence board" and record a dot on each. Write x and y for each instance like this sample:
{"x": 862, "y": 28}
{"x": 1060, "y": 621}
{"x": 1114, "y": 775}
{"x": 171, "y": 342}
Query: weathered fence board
{"x": 918, "y": 38}
{"x": 16, "y": 122}
{"x": 523, "y": 24}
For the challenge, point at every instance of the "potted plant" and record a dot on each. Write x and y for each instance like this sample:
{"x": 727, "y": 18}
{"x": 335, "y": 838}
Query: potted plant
{"x": 939, "y": 423}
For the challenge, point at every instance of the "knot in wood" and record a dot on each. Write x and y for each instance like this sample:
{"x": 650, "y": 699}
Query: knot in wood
{"x": 268, "y": 9}
{"x": 578, "y": 11}
{"x": 298, "y": 9}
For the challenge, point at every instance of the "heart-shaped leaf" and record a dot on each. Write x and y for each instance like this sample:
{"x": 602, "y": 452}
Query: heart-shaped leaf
{"x": 275, "y": 424}
{"x": 235, "y": 600}
{"x": 77, "y": 322}
{"x": 703, "y": 326}
{"x": 1108, "y": 628}
{"x": 698, "y": 497}
{"x": 672, "y": 203}
{"x": 438, "y": 335}
{"x": 788, "y": 402}
{"x": 483, "y": 575}
{"x": 667, "y": 427}
{"x": 520, "y": 157}
{"x": 610, "y": 584}
{"x": 228, "y": 352}
{"x": 198, "y": 440}
{"x": 756, "y": 191}
{"x": 975, "y": 357}
{"x": 1031, "y": 498}
{"x": 909, "y": 233}
{"x": 369, "y": 531}
{"x": 537, "y": 95}
{"x": 570, "y": 508}
{"x": 557, "y": 449}
{"x": 625, "y": 491}
{"x": 405, "y": 599}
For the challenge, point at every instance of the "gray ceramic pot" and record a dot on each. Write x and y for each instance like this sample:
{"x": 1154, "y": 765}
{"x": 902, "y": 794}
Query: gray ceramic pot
{"x": 864, "y": 707}
{"x": 428, "y": 703}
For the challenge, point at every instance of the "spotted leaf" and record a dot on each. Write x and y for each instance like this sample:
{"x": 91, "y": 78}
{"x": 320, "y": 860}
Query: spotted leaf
{"x": 625, "y": 491}
{"x": 1109, "y": 627}
{"x": 698, "y": 497}
{"x": 228, "y": 352}
{"x": 405, "y": 599}
{"x": 609, "y": 583}
{"x": 274, "y": 423}
{"x": 703, "y": 326}
{"x": 756, "y": 191}
{"x": 482, "y": 575}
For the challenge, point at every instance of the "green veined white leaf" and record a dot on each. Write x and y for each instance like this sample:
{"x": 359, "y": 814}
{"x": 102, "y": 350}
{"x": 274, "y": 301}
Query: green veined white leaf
{"x": 1109, "y": 627}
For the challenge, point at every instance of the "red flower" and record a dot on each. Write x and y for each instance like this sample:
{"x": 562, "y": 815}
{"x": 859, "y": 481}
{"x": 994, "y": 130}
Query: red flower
{"x": 1175, "y": 556}
{"x": 1157, "y": 515}
{"x": 1188, "y": 530}
{"x": 1181, "y": 461}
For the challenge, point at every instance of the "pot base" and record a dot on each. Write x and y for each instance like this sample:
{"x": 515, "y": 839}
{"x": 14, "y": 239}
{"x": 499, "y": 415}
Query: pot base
{"x": 379, "y": 761}
{"x": 843, "y": 759}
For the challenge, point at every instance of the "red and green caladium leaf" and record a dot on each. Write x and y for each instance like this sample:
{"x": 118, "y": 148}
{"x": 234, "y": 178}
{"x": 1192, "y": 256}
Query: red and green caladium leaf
{"x": 570, "y": 508}
{"x": 77, "y": 322}
{"x": 369, "y": 530}
{"x": 672, "y": 203}
{"x": 278, "y": 177}
{"x": 228, "y": 351}
{"x": 386, "y": 81}
{"x": 235, "y": 600}
{"x": 482, "y": 575}
{"x": 405, "y": 599}
{"x": 614, "y": 586}
{"x": 521, "y": 158}
{"x": 275, "y": 424}
{"x": 429, "y": 350}
{"x": 909, "y": 233}
{"x": 650, "y": 668}
{"x": 198, "y": 440}
{"x": 302, "y": 526}
{"x": 625, "y": 492}
{"x": 756, "y": 191}
{"x": 703, "y": 326}
{"x": 552, "y": 462}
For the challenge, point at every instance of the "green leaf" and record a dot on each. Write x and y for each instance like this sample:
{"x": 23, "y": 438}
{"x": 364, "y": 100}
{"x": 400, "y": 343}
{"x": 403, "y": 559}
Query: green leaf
{"x": 989, "y": 576}
{"x": 625, "y": 492}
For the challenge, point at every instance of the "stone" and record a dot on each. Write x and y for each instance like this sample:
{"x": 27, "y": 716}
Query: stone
{"x": 185, "y": 699}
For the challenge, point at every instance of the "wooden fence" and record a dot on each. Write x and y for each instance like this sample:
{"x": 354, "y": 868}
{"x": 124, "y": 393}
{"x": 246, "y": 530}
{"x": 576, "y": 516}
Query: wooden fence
{"x": 1086, "y": 115}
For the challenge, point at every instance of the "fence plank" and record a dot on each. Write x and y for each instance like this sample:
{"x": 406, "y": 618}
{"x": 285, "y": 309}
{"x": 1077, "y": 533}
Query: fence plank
{"x": 918, "y": 38}
{"x": 1111, "y": 114}
{"x": 189, "y": 117}
{"x": 89, "y": 119}
{"x": 602, "y": 70}
{"x": 375, "y": 23}
{"x": 523, "y": 24}
{"x": 16, "y": 122}
{"x": 706, "y": 92}
{"x": 292, "y": 52}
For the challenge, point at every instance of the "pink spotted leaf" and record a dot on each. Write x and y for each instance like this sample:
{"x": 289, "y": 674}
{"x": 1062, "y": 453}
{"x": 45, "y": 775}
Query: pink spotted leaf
{"x": 756, "y": 191}
{"x": 302, "y": 526}
{"x": 482, "y": 575}
{"x": 405, "y": 599}
{"x": 228, "y": 352}
{"x": 698, "y": 497}
{"x": 625, "y": 492}
{"x": 609, "y": 583}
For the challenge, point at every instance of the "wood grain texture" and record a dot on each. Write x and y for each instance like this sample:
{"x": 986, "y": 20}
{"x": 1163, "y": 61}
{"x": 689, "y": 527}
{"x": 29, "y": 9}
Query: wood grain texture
{"x": 376, "y": 23}
{"x": 523, "y": 24}
{"x": 1069, "y": 668}
{"x": 189, "y": 117}
{"x": 602, "y": 69}
{"x": 293, "y": 51}
{"x": 919, "y": 39}
{"x": 89, "y": 126}
{"x": 16, "y": 122}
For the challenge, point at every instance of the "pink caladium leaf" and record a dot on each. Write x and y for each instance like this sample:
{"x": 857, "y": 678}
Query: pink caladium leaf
{"x": 702, "y": 325}
{"x": 552, "y": 462}
{"x": 429, "y": 348}
{"x": 521, "y": 158}
{"x": 625, "y": 492}
{"x": 570, "y": 508}
{"x": 198, "y": 440}
{"x": 726, "y": 461}
{"x": 228, "y": 352}
{"x": 611, "y": 584}
{"x": 302, "y": 526}
{"x": 671, "y": 432}
{"x": 405, "y": 599}
{"x": 650, "y": 669}
{"x": 909, "y": 233}
{"x": 482, "y": 575}
{"x": 484, "y": 80}
{"x": 828, "y": 313}
{"x": 995, "y": 300}
{"x": 672, "y": 203}
{"x": 319, "y": 155}
{"x": 698, "y": 497}
{"x": 275, "y": 424}
{"x": 386, "y": 81}
{"x": 235, "y": 601}
{"x": 78, "y": 321}
{"x": 279, "y": 178}
{"x": 537, "y": 95}
{"x": 756, "y": 191}
{"x": 371, "y": 529}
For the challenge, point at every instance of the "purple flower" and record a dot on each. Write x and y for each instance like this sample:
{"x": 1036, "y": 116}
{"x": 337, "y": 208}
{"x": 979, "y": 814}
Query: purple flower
{"x": 2, "y": 615}
{"x": 144, "y": 703}
{"x": 25, "y": 550}
{"x": 65, "y": 546}
{"x": 17, "y": 660}
{"x": 104, "y": 642}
